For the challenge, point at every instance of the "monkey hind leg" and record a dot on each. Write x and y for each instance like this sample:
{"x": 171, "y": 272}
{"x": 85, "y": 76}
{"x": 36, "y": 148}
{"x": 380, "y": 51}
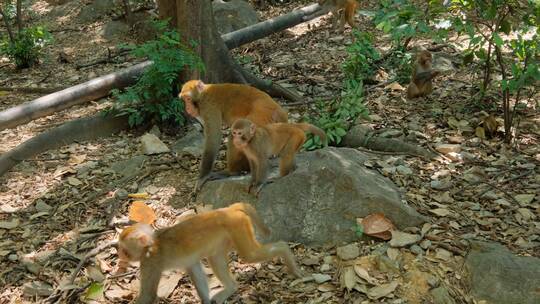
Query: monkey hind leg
{"x": 269, "y": 251}
{"x": 250, "y": 250}
{"x": 220, "y": 266}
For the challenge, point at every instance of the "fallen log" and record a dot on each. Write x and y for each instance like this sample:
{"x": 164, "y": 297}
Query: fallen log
{"x": 270, "y": 26}
{"x": 84, "y": 92}
{"x": 76, "y": 130}
{"x": 101, "y": 86}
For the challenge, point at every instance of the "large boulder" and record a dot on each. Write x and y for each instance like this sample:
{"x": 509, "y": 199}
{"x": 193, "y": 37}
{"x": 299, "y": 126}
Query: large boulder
{"x": 499, "y": 277}
{"x": 233, "y": 15}
{"x": 319, "y": 202}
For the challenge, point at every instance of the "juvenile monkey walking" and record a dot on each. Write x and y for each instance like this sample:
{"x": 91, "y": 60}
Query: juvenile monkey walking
{"x": 213, "y": 235}
{"x": 259, "y": 143}
{"x": 216, "y": 105}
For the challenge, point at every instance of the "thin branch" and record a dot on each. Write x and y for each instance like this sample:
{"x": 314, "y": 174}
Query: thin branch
{"x": 8, "y": 26}
{"x": 19, "y": 16}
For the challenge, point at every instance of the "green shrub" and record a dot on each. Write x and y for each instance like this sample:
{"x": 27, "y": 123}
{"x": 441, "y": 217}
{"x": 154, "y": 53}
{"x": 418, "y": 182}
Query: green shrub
{"x": 25, "y": 49}
{"x": 151, "y": 98}
{"x": 335, "y": 116}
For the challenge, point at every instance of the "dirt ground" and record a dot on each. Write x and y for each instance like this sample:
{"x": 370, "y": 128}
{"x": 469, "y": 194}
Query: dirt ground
{"x": 60, "y": 213}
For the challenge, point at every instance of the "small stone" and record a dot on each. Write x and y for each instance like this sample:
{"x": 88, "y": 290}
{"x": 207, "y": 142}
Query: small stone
{"x": 440, "y": 296}
{"x": 151, "y": 144}
{"x": 121, "y": 193}
{"x": 42, "y": 206}
{"x": 348, "y": 252}
{"x": 402, "y": 239}
{"x": 404, "y": 170}
{"x": 447, "y": 148}
{"x": 456, "y": 139}
{"x": 432, "y": 280}
{"x": 325, "y": 267}
{"x": 32, "y": 267}
{"x": 443, "y": 254}
{"x": 13, "y": 257}
{"x": 155, "y": 131}
{"x": 37, "y": 289}
{"x": 441, "y": 185}
{"x": 321, "y": 278}
{"x": 417, "y": 250}
{"x": 388, "y": 171}
{"x": 310, "y": 261}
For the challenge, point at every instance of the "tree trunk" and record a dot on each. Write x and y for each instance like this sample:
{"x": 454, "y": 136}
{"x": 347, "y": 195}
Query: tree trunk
{"x": 196, "y": 23}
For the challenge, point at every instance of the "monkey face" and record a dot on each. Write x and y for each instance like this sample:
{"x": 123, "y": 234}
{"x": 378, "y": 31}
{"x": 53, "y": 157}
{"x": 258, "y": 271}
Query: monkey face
{"x": 240, "y": 139}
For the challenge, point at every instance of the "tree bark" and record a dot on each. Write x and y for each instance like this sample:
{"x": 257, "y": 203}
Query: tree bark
{"x": 270, "y": 26}
{"x": 8, "y": 26}
{"x": 195, "y": 22}
{"x": 77, "y": 130}
{"x": 91, "y": 90}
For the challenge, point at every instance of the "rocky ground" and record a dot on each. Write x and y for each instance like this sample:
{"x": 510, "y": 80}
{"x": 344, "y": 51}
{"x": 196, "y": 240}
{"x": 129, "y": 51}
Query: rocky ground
{"x": 56, "y": 207}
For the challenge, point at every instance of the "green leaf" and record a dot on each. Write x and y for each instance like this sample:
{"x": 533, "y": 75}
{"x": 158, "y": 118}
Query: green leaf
{"x": 498, "y": 40}
{"x": 94, "y": 291}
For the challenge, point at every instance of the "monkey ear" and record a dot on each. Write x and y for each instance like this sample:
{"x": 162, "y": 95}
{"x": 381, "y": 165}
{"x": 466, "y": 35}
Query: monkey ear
{"x": 200, "y": 86}
{"x": 252, "y": 128}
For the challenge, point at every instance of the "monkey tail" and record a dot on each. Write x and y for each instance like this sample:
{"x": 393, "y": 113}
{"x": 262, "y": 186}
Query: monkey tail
{"x": 252, "y": 213}
{"x": 313, "y": 130}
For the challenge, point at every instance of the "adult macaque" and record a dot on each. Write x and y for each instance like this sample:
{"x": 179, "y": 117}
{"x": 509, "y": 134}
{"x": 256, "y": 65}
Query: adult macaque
{"x": 258, "y": 143}
{"x": 221, "y": 104}
{"x": 213, "y": 235}
{"x": 341, "y": 9}
{"x": 421, "y": 76}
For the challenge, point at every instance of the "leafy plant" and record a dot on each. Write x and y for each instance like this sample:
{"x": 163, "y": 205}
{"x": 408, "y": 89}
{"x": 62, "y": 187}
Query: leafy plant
{"x": 492, "y": 26}
{"x": 334, "y": 117}
{"x": 404, "y": 19}
{"x": 362, "y": 55}
{"x": 151, "y": 98}
{"x": 25, "y": 48}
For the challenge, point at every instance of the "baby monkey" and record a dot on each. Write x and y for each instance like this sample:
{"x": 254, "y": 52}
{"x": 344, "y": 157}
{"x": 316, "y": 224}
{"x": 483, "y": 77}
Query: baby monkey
{"x": 260, "y": 143}
{"x": 213, "y": 235}
{"x": 341, "y": 9}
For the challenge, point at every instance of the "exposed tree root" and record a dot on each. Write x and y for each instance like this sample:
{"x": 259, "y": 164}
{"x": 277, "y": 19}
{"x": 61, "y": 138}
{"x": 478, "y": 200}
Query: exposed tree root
{"x": 77, "y": 130}
{"x": 361, "y": 136}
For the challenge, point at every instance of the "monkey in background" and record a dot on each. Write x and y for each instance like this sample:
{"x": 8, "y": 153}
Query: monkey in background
{"x": 344, "y": 10}
{"x": 215, "y": 105}
{"x": 422, "y": 75}
{"x": 212, "y": 235}
{"x": 259, "y": 143}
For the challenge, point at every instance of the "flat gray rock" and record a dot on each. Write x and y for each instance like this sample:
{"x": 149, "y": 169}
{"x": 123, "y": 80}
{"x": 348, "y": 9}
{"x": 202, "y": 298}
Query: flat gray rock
{"x": 319, "y": 202}
{"x": 498, "y": 276}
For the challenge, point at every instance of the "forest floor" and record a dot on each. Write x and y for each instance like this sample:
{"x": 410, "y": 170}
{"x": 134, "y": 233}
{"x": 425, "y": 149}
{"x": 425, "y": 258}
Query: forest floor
{"x": 55, "y": 207}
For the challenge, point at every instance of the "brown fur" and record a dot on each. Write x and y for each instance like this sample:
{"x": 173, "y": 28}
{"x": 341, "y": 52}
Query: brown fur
{"x": 221, "y": 104}
{"x": 345, "y": 10}
{"x": 259, "y": 143}
{"x": 422, "y": 75}
{"x": 211, "y": 234}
